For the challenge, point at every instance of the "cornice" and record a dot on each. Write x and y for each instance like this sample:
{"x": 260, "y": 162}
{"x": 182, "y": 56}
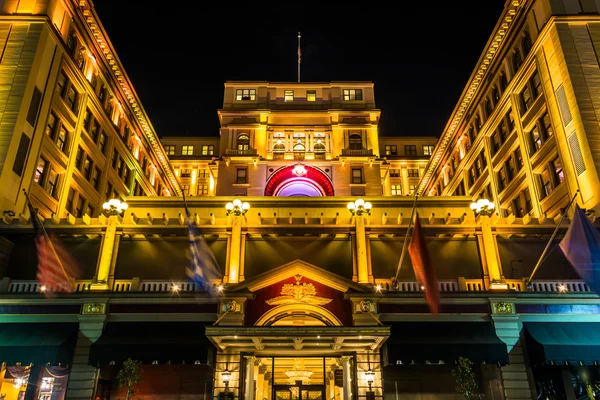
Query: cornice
{"x": 490, "y": 53}
{"x": 104, "y": 47}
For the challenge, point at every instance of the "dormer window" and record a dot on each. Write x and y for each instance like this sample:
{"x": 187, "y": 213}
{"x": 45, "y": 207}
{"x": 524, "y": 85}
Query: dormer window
{"x": 352, "y": 94}
{"x": 243, "y": 142}
{"x": 245, "y": 94}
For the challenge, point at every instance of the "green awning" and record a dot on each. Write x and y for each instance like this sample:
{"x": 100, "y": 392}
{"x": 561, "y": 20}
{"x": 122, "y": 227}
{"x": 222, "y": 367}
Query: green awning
{"x": 563, "y": 342}
{"x": 38, "y": 343}
{"x": 422, "y": 342}
{"x": 148, "y": 342}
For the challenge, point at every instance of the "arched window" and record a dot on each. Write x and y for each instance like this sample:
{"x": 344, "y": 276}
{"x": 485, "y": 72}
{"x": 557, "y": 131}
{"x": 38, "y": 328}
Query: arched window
{"x": 487, "y": 105}
{"x": 526, "y": 43}
{"x": 319, "y": 148}
{"x": 517, "y": 60}
{"x": 299, "y": 147}
{"x": 243, "y": 142}
{"x": 495, "y": 94}
{"x": 503, "y": 81}
{"x": 355, "y": 142}
{"x": 279, "y": 148}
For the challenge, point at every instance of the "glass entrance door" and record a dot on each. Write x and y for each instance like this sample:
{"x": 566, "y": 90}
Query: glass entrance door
{"x": 299, "y": 392}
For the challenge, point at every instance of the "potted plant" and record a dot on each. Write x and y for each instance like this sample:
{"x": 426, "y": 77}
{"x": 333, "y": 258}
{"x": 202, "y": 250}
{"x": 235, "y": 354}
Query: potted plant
{"x": 129, "y": 376}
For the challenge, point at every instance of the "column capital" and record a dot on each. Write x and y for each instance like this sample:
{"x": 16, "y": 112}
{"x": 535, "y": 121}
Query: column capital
{"x": 251, "y": 359}
{"x": 345, "y": 358}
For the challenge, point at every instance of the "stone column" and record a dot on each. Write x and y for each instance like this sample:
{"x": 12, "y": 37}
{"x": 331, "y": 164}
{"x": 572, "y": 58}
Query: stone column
{"x": 361, "y": 250}
{"x": 267, "y": 386}
{"x": 249, "y": 382}
{"x": 260, "y": 380}
{"x": 490, "y": 250}
{"x": 106, "y": 254}
{"x": 347, "y": 377}
{"x": 235, "y": 249}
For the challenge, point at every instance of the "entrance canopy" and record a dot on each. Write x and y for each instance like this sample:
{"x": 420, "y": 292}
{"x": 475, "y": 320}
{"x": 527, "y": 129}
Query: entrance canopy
{"x": 313, "y": 340}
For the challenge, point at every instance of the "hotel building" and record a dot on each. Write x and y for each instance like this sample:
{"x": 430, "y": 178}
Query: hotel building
{"x": 314, "y": 299}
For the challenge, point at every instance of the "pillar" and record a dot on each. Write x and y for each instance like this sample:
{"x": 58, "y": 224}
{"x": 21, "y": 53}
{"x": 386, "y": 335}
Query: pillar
{"x": 106, "y": 254}
{"x": 347, "y": 377}
{"x": 260, "y": 382}
{"x": 361, "y": 250}
{"x": 249, "y": 382}
{"x": 235, "y": 254}
{"x": 490, "y": 250}
{"x": 267, "y": 386}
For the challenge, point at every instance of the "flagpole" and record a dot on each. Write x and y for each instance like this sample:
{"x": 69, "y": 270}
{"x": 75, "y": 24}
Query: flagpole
{"x": 46, "y": 236}
{"x": 405, "y": 245}
{"x": 542, "y": 258}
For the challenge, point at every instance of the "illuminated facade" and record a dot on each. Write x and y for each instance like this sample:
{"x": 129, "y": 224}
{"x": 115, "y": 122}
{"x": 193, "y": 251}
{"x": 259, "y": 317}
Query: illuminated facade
{"x": 314, "y": 300}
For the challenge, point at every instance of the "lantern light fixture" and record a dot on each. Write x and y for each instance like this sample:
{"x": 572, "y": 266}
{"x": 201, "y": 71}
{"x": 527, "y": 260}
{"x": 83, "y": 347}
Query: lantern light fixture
{"x": 360, "y": 207}
{"x": 115, "y": 207}
{"x": 483, "y": 207}
{"x": 237, "y": 208}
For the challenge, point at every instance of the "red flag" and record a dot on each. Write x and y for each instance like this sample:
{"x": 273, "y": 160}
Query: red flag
{"x": 424, "y": 272}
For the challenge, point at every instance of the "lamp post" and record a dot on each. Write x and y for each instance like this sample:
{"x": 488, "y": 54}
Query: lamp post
{"x": 112, "y": 208}
{"x": 236, "y": 209}
{"x": 359, "y": 209}
{"x": 485, "y": 209}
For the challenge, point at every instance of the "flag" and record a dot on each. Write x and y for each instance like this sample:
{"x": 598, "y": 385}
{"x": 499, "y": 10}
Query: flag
{"x": 203, "y": 266}
{"x": 424, "y": 272}
{"x": 57, "y": 269}
{"x": 581, "y": 246}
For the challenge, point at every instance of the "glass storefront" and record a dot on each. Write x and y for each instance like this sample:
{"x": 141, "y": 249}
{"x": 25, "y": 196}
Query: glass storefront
{"x": 51, "y": 382}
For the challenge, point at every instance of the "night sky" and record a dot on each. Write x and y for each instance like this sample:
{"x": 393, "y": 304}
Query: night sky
{"x": 419, "y": 56}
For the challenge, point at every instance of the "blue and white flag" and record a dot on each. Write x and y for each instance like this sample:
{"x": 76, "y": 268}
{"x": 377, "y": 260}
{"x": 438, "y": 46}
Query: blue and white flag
{"x": 581, "y": 246}
{"x": 203, "y": 267}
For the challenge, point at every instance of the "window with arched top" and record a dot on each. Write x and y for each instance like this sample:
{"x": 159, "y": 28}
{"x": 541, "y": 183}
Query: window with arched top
{"x": 503, "y": 81}
{"x": 526, "y": 43}
{"x": 355, "y": 142}
{"x": 487, "y": 105}
{"x": 495, "y": 94}
{"x": 299, "y": 147}
{"x": 319, "y": 148}
{"x": 243, "y": 142}
{"x": 517, "y": 60}
{"x": 279, "y": 148}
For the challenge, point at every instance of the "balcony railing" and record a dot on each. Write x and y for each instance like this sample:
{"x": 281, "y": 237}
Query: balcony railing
{"x": 237, "y": 152}
{"x": 446, "y": 285}
{"x": 357, "y": 153}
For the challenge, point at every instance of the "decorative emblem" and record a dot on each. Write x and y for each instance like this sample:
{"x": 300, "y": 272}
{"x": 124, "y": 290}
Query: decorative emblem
{"x": 298, "y": 293}
{"x": 94, "y": 308}
{"x": 365, "y": 306}
{"x": 503, "y": 308}
{"x": 299, "y": 170}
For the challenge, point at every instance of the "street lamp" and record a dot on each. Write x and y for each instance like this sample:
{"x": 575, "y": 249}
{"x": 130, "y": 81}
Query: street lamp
{"x": 114, "y": 207}
{"x": 370, "y": 378}
{"x": 360, "y": 207}
{"x": 226, "y": 375}
{"x": 237, "y": 208}
{"x": 483, "y": 207}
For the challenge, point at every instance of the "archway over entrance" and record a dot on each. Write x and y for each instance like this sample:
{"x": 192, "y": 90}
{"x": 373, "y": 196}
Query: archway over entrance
{"x": 299, "y": 314}
{"x": 299, "y": 180}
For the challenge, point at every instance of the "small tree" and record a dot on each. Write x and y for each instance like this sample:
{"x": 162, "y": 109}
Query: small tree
{"x": 129, "y": 376}
{"x": 465, "y": 380}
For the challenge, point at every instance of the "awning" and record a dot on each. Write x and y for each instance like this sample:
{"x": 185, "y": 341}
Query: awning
{"x": 163, "y": 342}
{"x": 422, "y": 342}
{"x": 38, "y": 343}
{"x": 563, "y": 342}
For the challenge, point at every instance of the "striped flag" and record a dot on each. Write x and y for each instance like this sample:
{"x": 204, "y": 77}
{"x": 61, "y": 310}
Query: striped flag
{"x": 203, "y": 266}
{"x": 424, "y": 272}
{"x": 57, "y": 270}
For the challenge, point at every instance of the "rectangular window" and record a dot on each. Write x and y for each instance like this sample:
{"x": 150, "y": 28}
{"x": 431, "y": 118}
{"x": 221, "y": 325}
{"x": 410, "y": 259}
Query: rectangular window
{"x": 413, "y": 172}
{"x": 391, "y": 150}
{"x": 40, "y": 170}
{"x": 89, "y": 210}
{"x": 241, "y": 176}
{"x": 526, "y": 99}
{"x": 102, "y": 142}
{"x": 412, "y": 189}
{"x": 311, "y": 95}
{"x": 186, "y": 173}
{"x": 428, "y": 150}
{"x": 208, "y": 150}
{"x": 245, "y": 94}
{"x": 203, "y": 173}
{"x": 202, "y": 190}
{"x": 51, "y": 183}
{"x": 51, "y": 125}
{"x": 352, "y": 94}
{"x": 527, "y": 198}
{"x": 187, "y": 150}
{"x": 288, "y": 95}
{"x": 78, "y": 212}
{"x": 394, "y": 173}
{"x": 559, "y": 175}
{"x": 503, "y": 178}
{"x": 95, "y": 179}
{"x": 410, "y": 150}
{"x": 535, "y": 140}
{"x": 536, "y": 85}
{"x": 34, "y": 106}
{"x": 87, "y": 168}
{"x": 61, "y": 83}
{"x": 69, "y": 202}
{"x": 357, "y": 175}
{"x": 78, "y": 158}
{"x": 186, "y": 190}
{"x": 396, "y": 190}
{"x": 546, "y": 183}
{"x": 170, "y": 149}
{"x": 21, "y": 154}
{"x": 71, "y": 98}
{"x": 61, "y": 139}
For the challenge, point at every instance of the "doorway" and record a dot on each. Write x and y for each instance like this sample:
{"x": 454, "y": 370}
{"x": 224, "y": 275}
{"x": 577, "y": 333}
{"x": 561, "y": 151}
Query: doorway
{"x": 299, "y": 392}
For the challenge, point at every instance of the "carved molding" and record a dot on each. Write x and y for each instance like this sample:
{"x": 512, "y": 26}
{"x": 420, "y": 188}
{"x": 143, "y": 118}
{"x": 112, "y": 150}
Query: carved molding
{"x": 94, "y": 308}
{"x": 502, "y": 308}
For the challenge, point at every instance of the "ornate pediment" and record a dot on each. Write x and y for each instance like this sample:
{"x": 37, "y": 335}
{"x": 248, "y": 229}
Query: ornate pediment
{"x": 294, "y": 293}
